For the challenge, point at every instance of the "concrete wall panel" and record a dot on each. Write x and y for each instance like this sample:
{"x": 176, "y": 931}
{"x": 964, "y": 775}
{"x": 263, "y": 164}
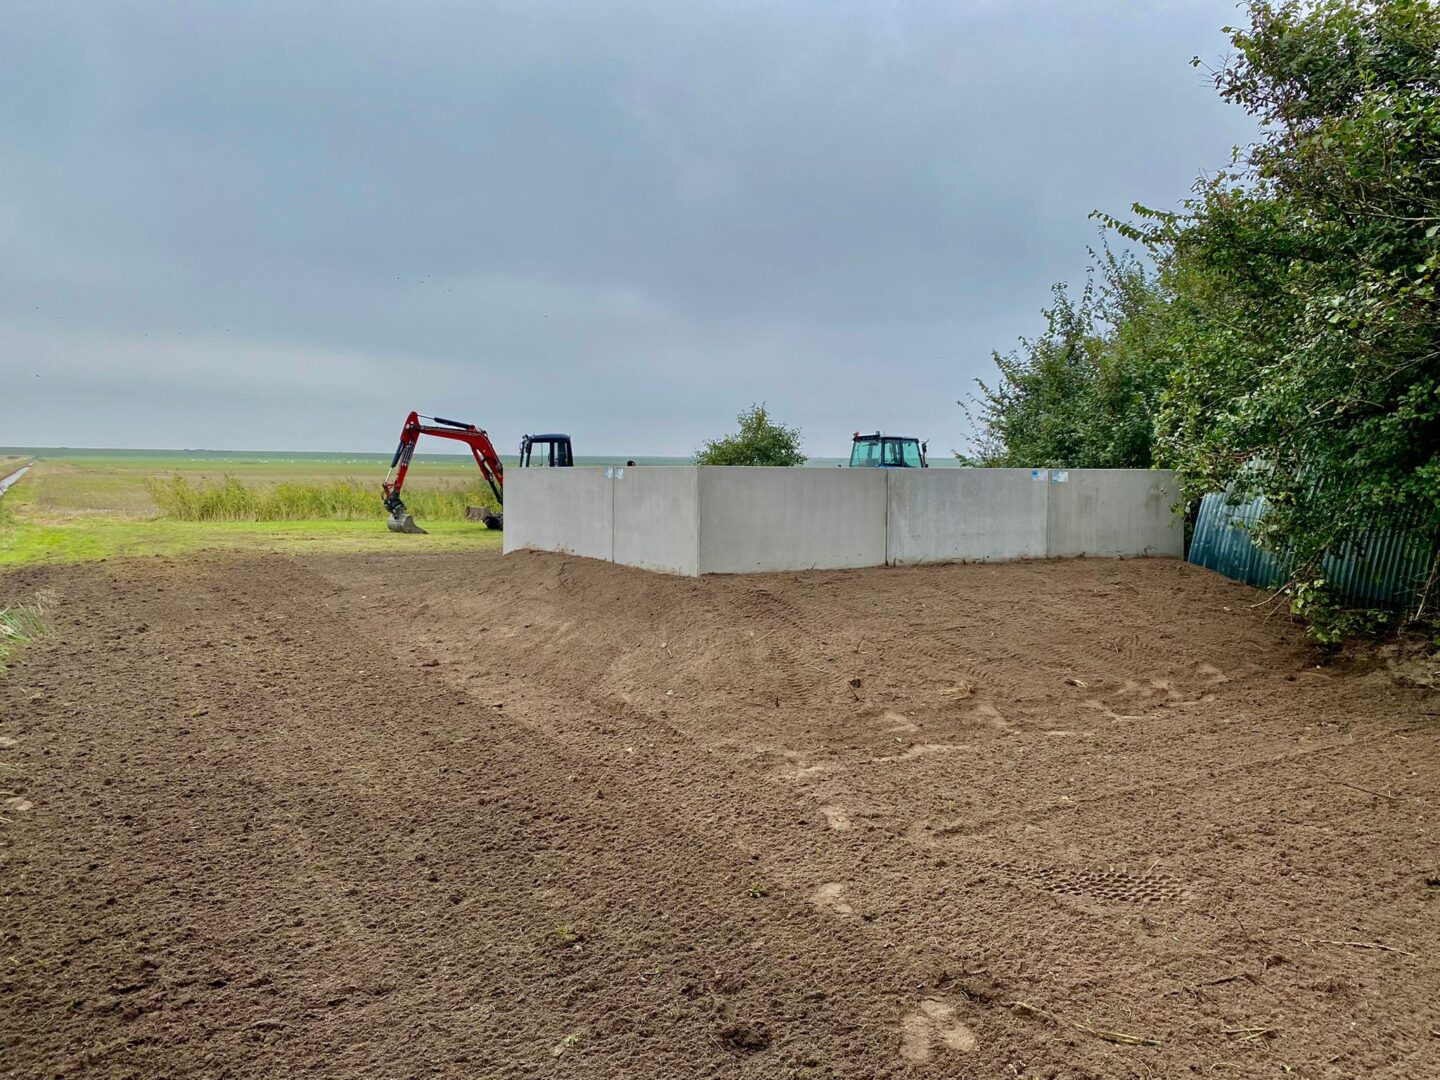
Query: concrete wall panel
{"x": 1114, "y": 512}
{"x": 943, "y": 515}
{"x": 656, "y": 518}
{"x": 569, "y": 510}
{"x": 757, "y": 519}
{"x": 688, "y": 520}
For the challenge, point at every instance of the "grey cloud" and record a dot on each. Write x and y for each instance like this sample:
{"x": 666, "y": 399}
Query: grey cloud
{"x": 628, "y": 220}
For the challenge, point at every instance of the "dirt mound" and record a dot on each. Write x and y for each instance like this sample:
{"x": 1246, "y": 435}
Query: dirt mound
{"x": 484, "y": 816}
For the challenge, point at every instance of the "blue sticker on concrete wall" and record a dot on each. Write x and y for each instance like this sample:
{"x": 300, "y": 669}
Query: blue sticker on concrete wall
{"x": 1038, "y": 474}
{"x": 1061, "y": 476}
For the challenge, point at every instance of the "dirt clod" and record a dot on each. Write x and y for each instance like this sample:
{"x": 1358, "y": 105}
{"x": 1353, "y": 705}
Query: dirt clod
{"x": 746, "y": 1036}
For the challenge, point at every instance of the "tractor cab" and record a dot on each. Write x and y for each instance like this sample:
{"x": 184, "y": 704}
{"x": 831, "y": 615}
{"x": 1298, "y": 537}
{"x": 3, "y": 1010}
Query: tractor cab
{"x": 887, "y": 452}
{"x": 548, "y": 450}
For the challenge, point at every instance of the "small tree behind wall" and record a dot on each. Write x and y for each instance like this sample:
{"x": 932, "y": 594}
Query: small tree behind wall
{"x": 760, "y": 441}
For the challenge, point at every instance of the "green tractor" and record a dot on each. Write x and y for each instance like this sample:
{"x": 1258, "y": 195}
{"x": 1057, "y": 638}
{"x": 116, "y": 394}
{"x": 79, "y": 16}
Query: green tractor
{"x": 879, "y": 451}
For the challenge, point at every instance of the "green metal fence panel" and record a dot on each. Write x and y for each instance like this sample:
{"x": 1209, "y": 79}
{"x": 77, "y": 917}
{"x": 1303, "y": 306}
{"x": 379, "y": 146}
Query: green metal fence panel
{"x": 1222, "y": 543}
{"x": 1381, "y": 569}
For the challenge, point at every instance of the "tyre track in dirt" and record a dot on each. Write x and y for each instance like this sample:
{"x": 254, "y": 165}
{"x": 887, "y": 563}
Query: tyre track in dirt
{"x": 386, "y": 874}
{"x": 1199, "y": 745}
{"x": 523, "y": 801}
{"x": 660, "y": 771}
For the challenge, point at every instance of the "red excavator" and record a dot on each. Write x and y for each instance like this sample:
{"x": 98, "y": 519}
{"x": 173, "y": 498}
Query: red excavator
{"x": 400, "y": 520}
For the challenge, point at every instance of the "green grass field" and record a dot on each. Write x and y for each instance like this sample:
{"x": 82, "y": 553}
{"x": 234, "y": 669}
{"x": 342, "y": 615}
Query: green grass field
{"x": 115, "y": 482}
{"x": 98, "y": 504}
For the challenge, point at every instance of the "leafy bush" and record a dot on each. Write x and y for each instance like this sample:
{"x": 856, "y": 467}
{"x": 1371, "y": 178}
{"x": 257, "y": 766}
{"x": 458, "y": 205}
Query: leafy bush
{"x": 1288, "y": 345}
{"x": 760, "y": 441}
{"x": 1306, "y": 282}
{"x": 1328, "y": 621}
{"x": 183, "y": 499}
{"x": 1084, "y": 393}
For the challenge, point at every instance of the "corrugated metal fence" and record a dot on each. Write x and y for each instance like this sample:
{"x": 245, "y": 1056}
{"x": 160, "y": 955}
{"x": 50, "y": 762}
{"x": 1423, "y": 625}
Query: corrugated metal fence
{"x": 1381, "y": 570}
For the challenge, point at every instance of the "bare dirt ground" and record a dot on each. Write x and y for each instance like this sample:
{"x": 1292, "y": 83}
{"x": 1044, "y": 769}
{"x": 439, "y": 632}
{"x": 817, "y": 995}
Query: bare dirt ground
{"x": 473, "y": 816}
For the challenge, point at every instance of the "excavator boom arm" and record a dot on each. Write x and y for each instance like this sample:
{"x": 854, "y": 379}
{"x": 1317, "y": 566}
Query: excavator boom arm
{"x": 473, "y": 437}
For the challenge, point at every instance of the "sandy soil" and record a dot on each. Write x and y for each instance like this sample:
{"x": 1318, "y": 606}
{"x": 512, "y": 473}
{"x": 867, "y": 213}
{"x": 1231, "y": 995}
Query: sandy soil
{"x": 473, "y": 816}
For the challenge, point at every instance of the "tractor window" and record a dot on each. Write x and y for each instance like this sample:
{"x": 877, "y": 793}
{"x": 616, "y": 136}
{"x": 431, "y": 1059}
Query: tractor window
{"x": 864, "y": 453}
{"x": 912, "y": 453}
{"x": 892, "y": 453}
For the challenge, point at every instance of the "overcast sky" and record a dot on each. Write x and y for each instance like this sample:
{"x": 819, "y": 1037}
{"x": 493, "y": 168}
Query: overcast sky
{"x": 283, "y": 225}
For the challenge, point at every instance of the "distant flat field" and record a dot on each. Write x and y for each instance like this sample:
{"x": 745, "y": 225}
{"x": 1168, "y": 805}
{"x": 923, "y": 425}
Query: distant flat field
{"x": 113, "y": 482}
{"x": 76, "y": 482}
{"x": 92, "y": 504}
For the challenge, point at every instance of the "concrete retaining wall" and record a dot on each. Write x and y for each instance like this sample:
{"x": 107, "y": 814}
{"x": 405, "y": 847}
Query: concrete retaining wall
{"x": 757, "y": 519}
{"x": 688, "y": 520}
{"x": 569, "y": 510}
{"x": 944, "y": 515}
{"x": 657, "y": 519}
{"x": 1113, "y": 512}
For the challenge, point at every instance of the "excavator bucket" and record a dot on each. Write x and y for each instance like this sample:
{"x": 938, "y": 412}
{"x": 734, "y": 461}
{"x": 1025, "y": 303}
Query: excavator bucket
{"x": 488, "y": 517}
{"x": 403, "y": 523}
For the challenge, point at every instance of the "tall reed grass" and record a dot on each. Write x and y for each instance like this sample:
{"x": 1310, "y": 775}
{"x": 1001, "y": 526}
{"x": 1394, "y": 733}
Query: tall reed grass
{"x": 18, "y": 626}
{"x": 183, "y": 499}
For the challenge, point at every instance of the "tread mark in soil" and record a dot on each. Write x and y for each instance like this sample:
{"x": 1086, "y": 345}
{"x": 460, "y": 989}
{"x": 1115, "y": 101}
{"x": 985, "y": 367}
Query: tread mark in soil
{"x": 921, "y": 750}
{"x": 827, "y": 898}
{"x": 897, "y": 722}
{"x": 1118, "y": 886}
{"x": 933, "y": 1022}
{"x": 836, "y": 817}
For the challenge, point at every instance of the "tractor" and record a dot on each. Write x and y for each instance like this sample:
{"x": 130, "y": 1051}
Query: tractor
{"x": 887, "y": 452}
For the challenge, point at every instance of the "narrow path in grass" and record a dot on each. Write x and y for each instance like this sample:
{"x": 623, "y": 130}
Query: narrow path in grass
{"x": 12, "y": 479}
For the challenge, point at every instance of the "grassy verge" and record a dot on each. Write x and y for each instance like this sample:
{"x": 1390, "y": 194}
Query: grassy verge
{"x": 42, "y": 520}
{"x": 19, "y": 626}
{"x": 85, "y": 539}
{"x": 116, "y": 483}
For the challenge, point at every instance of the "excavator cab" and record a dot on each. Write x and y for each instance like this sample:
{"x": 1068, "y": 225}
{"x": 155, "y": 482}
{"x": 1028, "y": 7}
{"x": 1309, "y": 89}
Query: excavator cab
{"x": 887, "y": 452}
{"x": 553, "y": 451}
